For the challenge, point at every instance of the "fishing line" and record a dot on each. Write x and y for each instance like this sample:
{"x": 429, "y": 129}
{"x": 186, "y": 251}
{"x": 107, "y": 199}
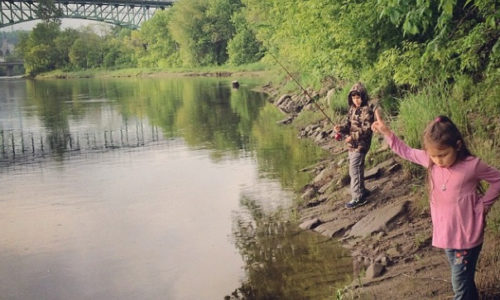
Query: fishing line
{"x": 303, "y": 89}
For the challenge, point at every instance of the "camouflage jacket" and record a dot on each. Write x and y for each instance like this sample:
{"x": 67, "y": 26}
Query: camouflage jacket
{"x": 358, "y": 126}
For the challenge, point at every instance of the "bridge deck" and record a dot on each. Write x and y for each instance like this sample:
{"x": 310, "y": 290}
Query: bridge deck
{"x": 130, "y": 13}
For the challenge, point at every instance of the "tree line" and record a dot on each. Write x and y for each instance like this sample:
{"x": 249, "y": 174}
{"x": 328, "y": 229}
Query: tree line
{"x": 191, "y": 33}
{"x": 400, "y": 42}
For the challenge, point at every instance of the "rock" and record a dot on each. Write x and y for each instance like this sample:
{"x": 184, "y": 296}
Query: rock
{"x": 282, "y": 99}
{"x": 325, "y": 187}
{"x": 394, "y": 252}
{"x": 308, "y": 194}
{"x": 324, "y": 176}
{"x": 287, "y": 120}
{"x": 321, "y": 136}
{"x": 235, "y": 84}
{"x": 310, "y": 224}
{"x": 345, "y": 180}
{"x": 316, "y": 202}
{"x": 394, "y": 168}
{"x": 382, "y": 259}
{"x": 366, "y": 261}
{"x": 385, "y": 164}
{"x": 377, "y": 220}
{"x": 340, "y": 162}
{"x": 330, "y": 94}
{"x": 374, "y": 270}
{"x": 372, "y": 173}
{"x": 335, "y": 228}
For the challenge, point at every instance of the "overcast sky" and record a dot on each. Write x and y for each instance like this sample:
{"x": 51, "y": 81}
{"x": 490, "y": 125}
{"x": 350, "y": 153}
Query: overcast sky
{"x": 73, "y": 23}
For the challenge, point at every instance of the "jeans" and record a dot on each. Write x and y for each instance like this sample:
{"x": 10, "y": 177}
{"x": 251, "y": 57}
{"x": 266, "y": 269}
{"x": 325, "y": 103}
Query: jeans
{"x": 463, "y": 268}
{"x": 357, "y": 174}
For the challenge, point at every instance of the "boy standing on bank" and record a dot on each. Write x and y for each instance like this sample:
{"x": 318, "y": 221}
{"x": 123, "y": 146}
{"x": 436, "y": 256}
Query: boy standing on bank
{"x": 358, "y": 137}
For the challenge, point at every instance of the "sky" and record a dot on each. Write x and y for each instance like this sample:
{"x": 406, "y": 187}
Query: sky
{"x": 66, "y": 23}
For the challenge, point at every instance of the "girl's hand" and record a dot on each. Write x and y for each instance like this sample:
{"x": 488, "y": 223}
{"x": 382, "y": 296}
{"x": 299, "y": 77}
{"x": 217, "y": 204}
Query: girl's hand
{"x": 379, "y": 124}
{"x": 485, "y": 212}
{"x": 336, "y": 128}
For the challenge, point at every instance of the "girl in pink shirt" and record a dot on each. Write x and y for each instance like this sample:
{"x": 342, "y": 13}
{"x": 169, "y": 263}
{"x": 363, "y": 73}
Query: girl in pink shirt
{"x": 458, "y": 207}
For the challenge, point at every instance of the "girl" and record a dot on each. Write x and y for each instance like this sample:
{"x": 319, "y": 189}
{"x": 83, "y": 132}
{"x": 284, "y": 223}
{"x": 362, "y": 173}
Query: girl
{"x": 458, "y": 210}
{"x": 359, "y": 136}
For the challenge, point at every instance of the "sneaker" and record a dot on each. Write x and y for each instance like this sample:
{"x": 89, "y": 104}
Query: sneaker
{"x": 356, "y": 203}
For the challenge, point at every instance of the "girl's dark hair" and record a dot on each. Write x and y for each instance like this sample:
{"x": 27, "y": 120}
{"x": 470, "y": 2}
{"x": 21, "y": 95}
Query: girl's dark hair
{"x": 443, "y": 132}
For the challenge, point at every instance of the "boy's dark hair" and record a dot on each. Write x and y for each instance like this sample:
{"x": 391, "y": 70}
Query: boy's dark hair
{"x": 360, "y": 90}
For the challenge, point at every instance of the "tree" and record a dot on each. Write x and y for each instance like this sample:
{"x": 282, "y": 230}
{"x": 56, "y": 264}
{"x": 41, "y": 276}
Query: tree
{"x": 243, "y": 47}
{"x": 160, "y": 48}
{"x": 63, "y": 43}
{"x": 48, "y": 12}
{"x": 202, "y": 29}
{"x": 38, "y": 48}
{"x": 78, "y": 53}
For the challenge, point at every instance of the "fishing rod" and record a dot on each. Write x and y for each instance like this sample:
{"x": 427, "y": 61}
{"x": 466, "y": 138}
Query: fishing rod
{"x": 303, "y": 89}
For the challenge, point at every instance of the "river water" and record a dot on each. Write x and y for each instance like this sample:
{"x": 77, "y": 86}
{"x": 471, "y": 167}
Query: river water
{"x": 171, "y": 188}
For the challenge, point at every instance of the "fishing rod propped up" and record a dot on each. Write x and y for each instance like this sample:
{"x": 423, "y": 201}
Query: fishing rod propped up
{"x": 301, "y": 87}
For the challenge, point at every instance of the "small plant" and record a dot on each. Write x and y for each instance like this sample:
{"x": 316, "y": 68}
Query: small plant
{"x": 420, "y": 239}
{"x": 339, "y": 295}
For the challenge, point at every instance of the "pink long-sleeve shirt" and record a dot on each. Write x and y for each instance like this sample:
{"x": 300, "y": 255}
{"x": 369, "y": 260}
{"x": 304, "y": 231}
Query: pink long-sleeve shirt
{"x": 458, "y": 212}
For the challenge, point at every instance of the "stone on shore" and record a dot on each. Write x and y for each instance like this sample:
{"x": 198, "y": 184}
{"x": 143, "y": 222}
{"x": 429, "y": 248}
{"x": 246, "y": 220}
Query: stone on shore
{"x": 310, "y": 224}
{"x": 374, "y": 270}
{"x": 377, "y": 220}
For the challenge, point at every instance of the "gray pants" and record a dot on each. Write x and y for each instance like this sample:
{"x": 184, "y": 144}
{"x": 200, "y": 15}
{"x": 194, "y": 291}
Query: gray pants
{"x": 357, "y": 172}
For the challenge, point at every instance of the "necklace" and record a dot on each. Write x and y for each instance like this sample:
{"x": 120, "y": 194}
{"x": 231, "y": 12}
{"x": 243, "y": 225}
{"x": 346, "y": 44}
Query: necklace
{"x": 443, "y": 186}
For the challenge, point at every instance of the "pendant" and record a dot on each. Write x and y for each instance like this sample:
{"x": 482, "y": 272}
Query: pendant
{"x": 443, "y": 187}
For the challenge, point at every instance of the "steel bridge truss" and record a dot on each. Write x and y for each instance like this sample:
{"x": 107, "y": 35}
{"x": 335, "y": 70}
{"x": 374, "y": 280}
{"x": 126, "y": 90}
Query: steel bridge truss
{"x": 123, "y": 13}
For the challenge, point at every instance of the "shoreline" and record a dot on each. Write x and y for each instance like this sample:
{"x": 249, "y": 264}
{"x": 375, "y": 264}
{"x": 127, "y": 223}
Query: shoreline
{"x": 150, "y": 73}
{"x": 390, "y": 237}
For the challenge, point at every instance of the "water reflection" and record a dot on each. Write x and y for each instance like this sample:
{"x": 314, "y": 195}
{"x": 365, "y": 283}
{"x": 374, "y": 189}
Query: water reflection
{"x": 282, "y": 262}
{"x": 54, "y": 117}
{"x": 140, "y": 181}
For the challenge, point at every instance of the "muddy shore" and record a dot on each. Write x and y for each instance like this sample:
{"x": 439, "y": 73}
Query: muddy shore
{"x": 389, "y": 238}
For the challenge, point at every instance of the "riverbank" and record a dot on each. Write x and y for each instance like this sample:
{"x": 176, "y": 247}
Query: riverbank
{"x": 390, "y": 237}
{"x": 251, "y": 70}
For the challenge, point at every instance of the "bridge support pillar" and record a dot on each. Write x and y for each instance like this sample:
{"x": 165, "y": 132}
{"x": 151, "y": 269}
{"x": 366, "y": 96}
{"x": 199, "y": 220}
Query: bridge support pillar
{"x": 10, "y": 70}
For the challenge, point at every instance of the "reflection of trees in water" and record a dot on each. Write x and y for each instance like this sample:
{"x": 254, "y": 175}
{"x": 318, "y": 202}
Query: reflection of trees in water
{"x": 282, "y": 262}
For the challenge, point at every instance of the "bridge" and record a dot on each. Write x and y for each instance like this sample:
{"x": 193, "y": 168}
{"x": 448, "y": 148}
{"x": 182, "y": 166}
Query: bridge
{"x": 9, "y": 65}
{"x": 127, "y": 13}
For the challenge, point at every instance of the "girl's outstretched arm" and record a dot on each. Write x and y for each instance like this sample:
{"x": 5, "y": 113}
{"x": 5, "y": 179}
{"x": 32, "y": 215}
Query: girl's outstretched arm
{"x": 397, "y": 146}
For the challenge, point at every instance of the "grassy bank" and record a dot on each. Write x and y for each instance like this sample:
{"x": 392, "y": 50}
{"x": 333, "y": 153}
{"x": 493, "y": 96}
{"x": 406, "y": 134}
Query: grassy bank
{"x": 259, "y": 69}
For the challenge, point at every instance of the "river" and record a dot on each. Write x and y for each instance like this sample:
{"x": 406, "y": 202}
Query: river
{"x": 154, "y": 188}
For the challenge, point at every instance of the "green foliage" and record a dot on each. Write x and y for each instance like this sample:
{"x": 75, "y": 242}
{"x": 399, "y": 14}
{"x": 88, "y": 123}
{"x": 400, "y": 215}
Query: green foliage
{"x": 244, "y": 47}
{"x": 47, "y": 48}
{"x": 78, "y": 54}
{"x": 203, "y": 29}
{"x": 161, "y": 49}
{"x": 38, "y": 48}
{"x": 48, "y": 12}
